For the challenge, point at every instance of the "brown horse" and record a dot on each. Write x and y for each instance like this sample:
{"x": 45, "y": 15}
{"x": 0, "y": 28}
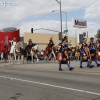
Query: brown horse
{"x": 48, "y": 49}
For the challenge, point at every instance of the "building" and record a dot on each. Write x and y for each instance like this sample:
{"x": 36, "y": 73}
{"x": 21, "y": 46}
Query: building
{"x": 42, "y": 39}
{"x": 8, "y": 34}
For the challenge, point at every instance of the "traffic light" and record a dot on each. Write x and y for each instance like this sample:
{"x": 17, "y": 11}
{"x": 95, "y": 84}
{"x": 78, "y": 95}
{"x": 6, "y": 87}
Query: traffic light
{"x": 60, "y": 36}
{"x": 65, "y": 37}
{"x": 31, "y": 30}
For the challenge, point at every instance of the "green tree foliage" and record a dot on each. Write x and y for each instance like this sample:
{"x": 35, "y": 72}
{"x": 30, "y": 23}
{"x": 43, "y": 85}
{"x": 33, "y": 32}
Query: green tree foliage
{"x": 84, "y": 34}
{"x": 98, "y": 34}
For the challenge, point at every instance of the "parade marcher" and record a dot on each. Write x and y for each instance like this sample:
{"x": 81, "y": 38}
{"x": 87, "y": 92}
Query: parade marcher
{"x": 63, "y": 55}
{"x": 85, "y": 54}
{"x": 93, "y": 53}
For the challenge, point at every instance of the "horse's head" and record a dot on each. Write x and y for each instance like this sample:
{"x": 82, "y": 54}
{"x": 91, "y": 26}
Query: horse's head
{"x": 55, "y": 47}
{"x": 36, "y": 47}
{"x": 19, "y": 45}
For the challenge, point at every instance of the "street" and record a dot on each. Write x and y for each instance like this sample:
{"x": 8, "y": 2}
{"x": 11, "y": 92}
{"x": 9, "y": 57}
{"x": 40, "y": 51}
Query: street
{"x": 43, "y": 81}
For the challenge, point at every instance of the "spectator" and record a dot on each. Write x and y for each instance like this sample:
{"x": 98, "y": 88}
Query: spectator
{"x": 73, "y": 54}
{"x": 77, "y": 55}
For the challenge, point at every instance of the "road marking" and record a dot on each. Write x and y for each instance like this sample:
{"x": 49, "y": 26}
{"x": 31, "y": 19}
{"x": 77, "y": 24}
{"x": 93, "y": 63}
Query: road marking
{"x": 50, "y": 85}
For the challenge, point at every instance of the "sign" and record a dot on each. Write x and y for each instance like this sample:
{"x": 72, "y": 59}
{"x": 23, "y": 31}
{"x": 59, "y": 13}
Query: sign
{"x": 80, "y": 23}
{"x": 65, "y": 31}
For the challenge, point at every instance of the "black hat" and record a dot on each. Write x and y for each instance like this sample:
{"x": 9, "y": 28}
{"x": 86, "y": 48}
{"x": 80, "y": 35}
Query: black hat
{"x": 91, "y": 38}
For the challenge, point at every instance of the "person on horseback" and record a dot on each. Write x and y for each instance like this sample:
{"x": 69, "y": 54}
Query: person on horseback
{"x": 49, "y": 49}
{"x": 29, "y": 43}
{"x": 51, "y": 43}
{"x": 63, "y": 55}
{"x": 92, "y": 48}
{"x": 13, "y": 44}
{"x": 28, "y": 49}
{"x": 85, "y": 54}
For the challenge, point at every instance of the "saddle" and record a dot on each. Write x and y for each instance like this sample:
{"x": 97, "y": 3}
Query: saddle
{"x": 17, "y": 51}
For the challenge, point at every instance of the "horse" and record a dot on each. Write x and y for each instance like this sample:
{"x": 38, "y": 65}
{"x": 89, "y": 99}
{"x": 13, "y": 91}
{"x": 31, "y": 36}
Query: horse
{"x": 32, "y": 52}
{"x": 16, "y": 52}
{"x": 50, "y": 51}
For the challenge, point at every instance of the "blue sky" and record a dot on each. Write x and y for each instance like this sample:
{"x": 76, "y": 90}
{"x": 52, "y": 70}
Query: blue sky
{"x": 38, "y": 14}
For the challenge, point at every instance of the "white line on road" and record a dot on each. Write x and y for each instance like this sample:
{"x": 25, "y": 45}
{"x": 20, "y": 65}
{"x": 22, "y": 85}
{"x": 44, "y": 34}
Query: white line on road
{"x": 66, "y": 88}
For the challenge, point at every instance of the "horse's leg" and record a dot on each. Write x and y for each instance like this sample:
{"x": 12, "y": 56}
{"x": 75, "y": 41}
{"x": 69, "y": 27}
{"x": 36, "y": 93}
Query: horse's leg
{"x": 47, "y": 58}
{"x": 37, "y": 58}
{"x": 14, "y": 54}
{"x": 9, "y": 59}
{"x": 54, "y": 55}
{"x": 22, "y": 58}
{"x": 19, "y": 59}
{"x": 32, "y": 58}
{"x": 11, "y": 62}
{"x": 27, "y": 57}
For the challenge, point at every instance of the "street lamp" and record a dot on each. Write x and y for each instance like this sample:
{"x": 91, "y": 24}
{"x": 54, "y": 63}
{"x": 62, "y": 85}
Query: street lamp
{"x": 59, "y": 2}
{"x": 66, "y": 20}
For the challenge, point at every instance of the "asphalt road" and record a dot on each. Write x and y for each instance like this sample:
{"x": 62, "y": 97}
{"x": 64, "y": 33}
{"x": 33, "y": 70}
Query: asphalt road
{"x": 45, "y": 82}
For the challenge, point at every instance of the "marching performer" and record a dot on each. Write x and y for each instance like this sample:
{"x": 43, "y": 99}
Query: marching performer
{"x": 85, "y": 54}
{"x": 92, "y": 48}
{"x": 63, "y": 56}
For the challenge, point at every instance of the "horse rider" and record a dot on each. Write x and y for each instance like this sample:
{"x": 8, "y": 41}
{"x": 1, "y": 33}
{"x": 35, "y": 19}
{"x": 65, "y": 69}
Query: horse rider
{"x": 85, "y": 54}
{"x": 28, "y": 49}
{"x": 13, "y": 44}
{"x": 62, "y": 54}
{"x": 51, "y": 43}
{"x": 92, "y": 48}
{"x": 49, "y": 47}
{"x": 29, "y": 42}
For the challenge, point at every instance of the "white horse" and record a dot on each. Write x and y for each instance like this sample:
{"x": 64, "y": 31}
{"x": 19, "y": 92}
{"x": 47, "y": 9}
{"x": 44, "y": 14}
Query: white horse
{"x": 15, "y": 51}
{"x": 34, "y": 51}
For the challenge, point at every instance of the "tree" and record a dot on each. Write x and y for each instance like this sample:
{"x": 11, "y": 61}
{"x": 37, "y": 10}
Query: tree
{"x": 84, "y": 34}
{"x": 98, "y": 34}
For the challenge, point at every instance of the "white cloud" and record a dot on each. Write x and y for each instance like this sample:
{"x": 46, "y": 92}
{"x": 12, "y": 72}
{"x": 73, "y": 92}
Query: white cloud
{"x": 16, "y": 15}
{"x": 92, "y": 11}
{"x": 55, "y": 25}
{"x": 35, "y": 8}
